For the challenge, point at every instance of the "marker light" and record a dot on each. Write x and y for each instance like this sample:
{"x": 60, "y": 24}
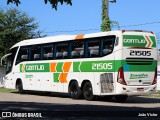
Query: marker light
{"x": 120, "y": 78}
{"x": 155, "y": 77}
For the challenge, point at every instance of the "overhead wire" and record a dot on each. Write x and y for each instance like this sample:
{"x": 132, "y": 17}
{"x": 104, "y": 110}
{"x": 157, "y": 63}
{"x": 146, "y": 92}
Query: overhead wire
{"x": 94, "y": 29}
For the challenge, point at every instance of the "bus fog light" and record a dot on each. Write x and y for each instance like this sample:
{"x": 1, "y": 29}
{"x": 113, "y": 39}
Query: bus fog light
{"x": 124, "y": 88}
{"x": 120, "y": 80}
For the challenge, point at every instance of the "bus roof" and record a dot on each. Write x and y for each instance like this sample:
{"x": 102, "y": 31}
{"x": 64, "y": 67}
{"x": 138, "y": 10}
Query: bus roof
{"x": 60, "y": 38}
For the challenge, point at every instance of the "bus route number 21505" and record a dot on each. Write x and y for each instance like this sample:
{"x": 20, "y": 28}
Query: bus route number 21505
{"x": 140, "y": 53}
{"x": 102, "y": 66}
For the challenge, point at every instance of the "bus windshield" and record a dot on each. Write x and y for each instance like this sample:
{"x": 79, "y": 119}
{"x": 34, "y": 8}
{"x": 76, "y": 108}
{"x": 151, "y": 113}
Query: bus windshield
{"x": 10, "y": 59}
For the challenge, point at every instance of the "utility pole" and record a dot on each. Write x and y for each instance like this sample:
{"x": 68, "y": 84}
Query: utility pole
{"x": 106, "y": 8}
{"x": 105, "y": 26}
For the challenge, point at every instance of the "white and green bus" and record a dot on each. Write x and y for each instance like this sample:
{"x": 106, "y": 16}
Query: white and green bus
{"x": 115, "y": 63}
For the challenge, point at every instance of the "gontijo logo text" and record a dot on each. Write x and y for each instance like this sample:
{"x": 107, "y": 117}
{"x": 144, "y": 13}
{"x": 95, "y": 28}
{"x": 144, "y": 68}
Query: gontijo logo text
{"x": 139, "y": 41}
{"x": 134, "y": 41}
{"x": 85, "y": 66}
{"x": 38, "y": 67}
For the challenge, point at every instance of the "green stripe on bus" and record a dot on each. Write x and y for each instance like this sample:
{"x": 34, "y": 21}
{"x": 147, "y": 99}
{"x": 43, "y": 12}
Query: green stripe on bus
{"x": 112, "y": 66}
{"x": 76, "y": 66}
{"x": 97, "y": 66}
{"x": 138, "y": 41}
{"x": 21, "y": 67}
{"x": 153, "y": 41}
{"x": 59, "y": 67}
{"x": 55, "y": 77}
{"x": 35, "y": 67}
{"x": 94, "y": 66}
{"x": 140, "y": 68}
{"x": 134, "y": 40}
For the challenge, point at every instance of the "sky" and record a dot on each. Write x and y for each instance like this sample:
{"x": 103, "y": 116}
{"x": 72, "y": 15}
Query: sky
{"x": 84, "y": 16}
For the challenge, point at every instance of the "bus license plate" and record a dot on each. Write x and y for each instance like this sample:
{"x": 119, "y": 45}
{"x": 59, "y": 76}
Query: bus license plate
{"x": 140, "y": 89}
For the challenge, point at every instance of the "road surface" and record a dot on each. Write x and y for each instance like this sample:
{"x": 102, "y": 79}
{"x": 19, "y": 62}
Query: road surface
{"x": 60, "y": 105}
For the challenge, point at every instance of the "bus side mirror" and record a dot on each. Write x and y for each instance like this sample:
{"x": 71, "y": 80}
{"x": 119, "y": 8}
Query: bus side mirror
{"x": 3, "y": 60}
{"x": 3, "y": 63}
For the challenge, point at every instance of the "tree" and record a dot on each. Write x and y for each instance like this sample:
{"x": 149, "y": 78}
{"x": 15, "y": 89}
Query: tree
{"x": 14, "y": 27}
{"x": 107, "y": 24}
{"x": 54, "y": 3}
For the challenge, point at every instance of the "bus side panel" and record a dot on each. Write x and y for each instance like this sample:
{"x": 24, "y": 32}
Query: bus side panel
{"x": 104, "y": 75}
{"x": 71, "y": 76}
{"x": 9, "y": 81}
{"x": 90, "y": 77}
{"x": 118, "y": 64}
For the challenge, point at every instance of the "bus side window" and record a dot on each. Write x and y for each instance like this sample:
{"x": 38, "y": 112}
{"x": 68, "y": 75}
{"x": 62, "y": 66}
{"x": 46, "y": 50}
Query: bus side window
{"x": 35, "y": 53}
{"x": 107, "y": 47}
{"x": 77, "y": 49}
{"x": 62, "y": 50}
{"x": 93, "y": 48}
{"x": 48, "y": 51}
{"x": 22, "y": 55}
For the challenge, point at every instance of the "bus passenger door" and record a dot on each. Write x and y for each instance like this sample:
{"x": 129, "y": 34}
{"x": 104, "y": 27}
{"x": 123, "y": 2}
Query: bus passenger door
{"x": 44, "y": 82}
{"x": 51, "y": 85}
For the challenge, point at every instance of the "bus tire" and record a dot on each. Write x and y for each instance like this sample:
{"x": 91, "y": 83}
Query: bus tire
{"x": 74, "y": 90}
{"x": 88, "y": 91}
{"x": 121, "y": 98}
{"x": 19, "y": 87}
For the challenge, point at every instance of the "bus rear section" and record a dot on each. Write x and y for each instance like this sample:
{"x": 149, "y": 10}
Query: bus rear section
{"x": 138, "y": 73}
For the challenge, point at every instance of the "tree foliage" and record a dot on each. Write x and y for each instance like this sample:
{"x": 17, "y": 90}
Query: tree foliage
{"x": 54, "y": 3}
{"x": 107, "y": 24}
{"x": 14, "y": 27}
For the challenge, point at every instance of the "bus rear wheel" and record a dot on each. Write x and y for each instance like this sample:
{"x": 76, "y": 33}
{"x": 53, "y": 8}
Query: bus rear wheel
{"x": 88, "y": 91}
{"x": 19, "y": 87}
{"x": 74, "y": 90}
{"x": 121, "y": 98}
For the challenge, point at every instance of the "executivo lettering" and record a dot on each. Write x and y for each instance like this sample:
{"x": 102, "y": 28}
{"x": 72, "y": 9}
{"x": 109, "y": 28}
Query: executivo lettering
{"x": 137, "y": 76}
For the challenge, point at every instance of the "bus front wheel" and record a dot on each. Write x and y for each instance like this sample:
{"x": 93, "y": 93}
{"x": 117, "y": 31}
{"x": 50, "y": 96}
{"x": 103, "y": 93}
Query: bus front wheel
{"x": 19, "y": 87}
{"x": 74, "y": 90}
{"x": 88, "y": 91}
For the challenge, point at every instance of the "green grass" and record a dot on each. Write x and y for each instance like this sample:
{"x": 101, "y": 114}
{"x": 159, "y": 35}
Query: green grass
{"x": 157, "y": 94}
{"x": 5, "y": 90}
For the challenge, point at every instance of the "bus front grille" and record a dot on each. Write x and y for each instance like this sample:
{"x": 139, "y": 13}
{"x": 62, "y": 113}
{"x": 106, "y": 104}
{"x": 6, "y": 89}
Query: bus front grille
{"x": 106, "y": 81}
{"x": 139, "y": 61}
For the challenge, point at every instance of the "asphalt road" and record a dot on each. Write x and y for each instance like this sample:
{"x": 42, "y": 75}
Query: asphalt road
{"x": 60, "y": 105}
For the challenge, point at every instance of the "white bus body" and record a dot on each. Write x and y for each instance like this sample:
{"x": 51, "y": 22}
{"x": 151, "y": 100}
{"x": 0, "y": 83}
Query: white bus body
{"x": 119, "y": 63}
{"x": 158, "y": 78}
